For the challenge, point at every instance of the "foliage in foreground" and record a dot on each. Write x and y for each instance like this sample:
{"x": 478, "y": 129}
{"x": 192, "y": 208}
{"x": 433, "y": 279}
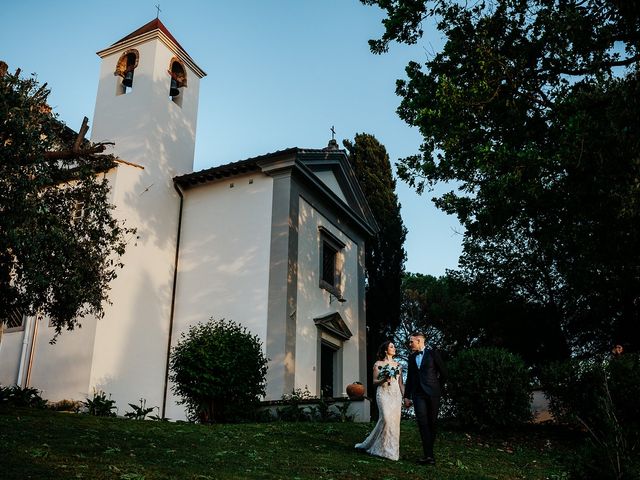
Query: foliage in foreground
{"x": 602, "y": 398}
{"x": 218, "y": 369}
{"x": 489, "y": 387}
{"x": 59, "y": 241}
{"x": 100, "y": 405}
{"x": 15, "y": 396}
{"x": 52, "y": 445}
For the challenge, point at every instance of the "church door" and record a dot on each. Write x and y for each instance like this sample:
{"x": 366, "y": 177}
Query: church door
{"x": 327, "y": 367}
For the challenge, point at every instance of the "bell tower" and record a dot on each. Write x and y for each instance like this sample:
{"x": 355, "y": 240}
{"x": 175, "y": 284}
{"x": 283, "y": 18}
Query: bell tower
{"x": 147, "y": 104}
{"x": 147, "y": 100}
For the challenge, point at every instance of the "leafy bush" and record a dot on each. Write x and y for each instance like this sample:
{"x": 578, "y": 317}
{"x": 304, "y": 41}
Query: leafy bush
{"x": 100, "y": 405}
{"x": 218, "y": 369}
{"x": 140, "y": 412}
{"x": 603, "y": 398}
{"x": 16, "y": 396}
{"x": 65, "y": 406}
{"x": 489, "y": 387}
{"x": 301, "y": 406}
{"x": 293, "y": 411}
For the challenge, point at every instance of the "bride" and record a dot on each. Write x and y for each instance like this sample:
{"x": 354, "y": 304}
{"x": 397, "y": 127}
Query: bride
{"x": 384, "y": 440}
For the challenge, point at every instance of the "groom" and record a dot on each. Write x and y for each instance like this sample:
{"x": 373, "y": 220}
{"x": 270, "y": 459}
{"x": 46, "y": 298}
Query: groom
{"x": 426, "y": 376}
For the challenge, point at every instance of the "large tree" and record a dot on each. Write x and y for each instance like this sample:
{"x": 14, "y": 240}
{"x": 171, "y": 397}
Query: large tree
{"x": 385, "y": 254}
{"x": 59, "y": 242}
{"x": 457, "y": 314}
{"x": 532, "y": 108}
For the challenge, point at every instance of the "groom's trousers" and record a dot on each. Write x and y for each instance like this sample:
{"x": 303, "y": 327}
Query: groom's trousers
{"x": 426, "y": 409}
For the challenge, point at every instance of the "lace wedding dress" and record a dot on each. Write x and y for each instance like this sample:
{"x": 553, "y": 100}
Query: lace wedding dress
{"x": 384, "y": 440}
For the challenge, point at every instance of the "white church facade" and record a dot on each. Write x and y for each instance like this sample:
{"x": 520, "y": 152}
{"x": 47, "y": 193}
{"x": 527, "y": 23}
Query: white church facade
{"x": 275, "y": 243}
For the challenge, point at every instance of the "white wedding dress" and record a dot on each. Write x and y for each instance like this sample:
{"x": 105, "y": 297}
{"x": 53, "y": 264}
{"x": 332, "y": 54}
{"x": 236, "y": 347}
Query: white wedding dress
{"x": 384, "y": 440}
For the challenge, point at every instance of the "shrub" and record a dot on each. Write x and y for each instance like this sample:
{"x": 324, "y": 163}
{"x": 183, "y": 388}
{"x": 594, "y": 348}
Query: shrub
{"x": 489, "y": 387}
{"x": 16, "y": 396}
{"x": 293, "y": 411}
{"x": 602, "y": 398}
{"x": 218, "y": 369}
{"x": 301, "y": 406}
{"x": 100, "y": 405}
{"x": 65, "y": 406}
{"x": 140, "y": 412}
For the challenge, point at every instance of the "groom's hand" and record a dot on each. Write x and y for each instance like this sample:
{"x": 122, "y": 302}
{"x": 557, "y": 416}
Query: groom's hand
{"x": 407, "y": 403}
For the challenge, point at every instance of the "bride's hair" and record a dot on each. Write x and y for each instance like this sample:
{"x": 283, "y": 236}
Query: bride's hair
{"x": 382, "y": 350}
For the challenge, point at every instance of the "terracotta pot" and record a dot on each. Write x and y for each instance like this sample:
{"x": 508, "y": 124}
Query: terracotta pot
{"x": 355, "y": 390}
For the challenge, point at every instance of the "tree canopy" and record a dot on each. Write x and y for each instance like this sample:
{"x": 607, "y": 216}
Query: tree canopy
{"x": 457, "y": 315}
{"x": 532, "y": 109}
{"x": 59, "y": 241}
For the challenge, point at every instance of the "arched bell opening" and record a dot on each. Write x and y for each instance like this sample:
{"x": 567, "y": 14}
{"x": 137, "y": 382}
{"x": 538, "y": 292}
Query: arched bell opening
{"x": 178, "y": 81}
{"x": 124, "y": 70}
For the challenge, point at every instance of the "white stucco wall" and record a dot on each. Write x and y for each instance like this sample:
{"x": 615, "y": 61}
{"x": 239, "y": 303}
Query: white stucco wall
{"x": 62, "y": 370}
{"x": 131, "y": 340}
{"x": 157, "y": 135}
{"x": 223, "y": 269}
{"x": 314, "y": 301}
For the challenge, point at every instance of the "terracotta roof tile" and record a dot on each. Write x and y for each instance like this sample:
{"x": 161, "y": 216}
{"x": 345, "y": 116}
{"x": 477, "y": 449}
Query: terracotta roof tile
{"x": 154, "y": 24}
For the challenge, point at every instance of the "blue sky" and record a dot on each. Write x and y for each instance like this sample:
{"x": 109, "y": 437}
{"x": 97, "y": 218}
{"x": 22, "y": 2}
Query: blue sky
{"x": 280, "y": 73}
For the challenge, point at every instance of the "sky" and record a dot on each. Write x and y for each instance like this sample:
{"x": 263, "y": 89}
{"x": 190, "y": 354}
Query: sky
{"x": 280, "y": 74}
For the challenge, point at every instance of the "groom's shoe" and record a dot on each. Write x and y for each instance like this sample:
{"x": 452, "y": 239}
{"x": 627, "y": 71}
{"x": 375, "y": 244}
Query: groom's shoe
{"x": 427, "y": 461}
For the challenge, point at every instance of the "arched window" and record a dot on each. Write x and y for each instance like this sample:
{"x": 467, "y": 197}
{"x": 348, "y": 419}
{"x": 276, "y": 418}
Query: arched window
{"x": 124, "y": 68}
{"x": 178, "y": 75}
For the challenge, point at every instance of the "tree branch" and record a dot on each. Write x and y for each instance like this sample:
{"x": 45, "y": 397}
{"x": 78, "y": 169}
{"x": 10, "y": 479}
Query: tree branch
{"x": 586, "y": 71}
{"x": 77, "y": 152}
{"x": 83, "y": 131}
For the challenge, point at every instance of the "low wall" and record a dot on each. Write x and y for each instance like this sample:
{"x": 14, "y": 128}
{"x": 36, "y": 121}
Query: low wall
{"x": 359, "y": 408}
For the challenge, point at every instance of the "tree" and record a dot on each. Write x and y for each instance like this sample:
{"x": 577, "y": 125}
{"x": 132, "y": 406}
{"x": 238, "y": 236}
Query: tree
{"x": 458, "y": 314}
{"x": 489, "y": 387}
{"x": 532, "y": 109}
{"x": 59, "y": 242}
{"x": 219, "y": 370}
{"x": 384, "y": 254}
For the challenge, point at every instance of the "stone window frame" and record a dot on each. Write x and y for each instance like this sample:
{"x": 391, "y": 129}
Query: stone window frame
{"x": 329, "y": 242}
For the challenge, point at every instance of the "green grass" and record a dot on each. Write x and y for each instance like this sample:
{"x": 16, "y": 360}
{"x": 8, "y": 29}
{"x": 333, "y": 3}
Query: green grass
{"x": 41, "y": 444}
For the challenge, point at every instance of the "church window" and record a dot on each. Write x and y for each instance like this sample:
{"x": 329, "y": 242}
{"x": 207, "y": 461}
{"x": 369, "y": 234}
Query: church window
{"x": 178, "y": 80}
{"x": 331, "y": 261}
{"x": 14, "y": 321}
{"x": 124, "y": 71}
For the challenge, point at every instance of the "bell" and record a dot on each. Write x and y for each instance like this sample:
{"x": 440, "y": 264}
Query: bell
{"x": 173, "y": 90}
{"x": 127, "y": 81}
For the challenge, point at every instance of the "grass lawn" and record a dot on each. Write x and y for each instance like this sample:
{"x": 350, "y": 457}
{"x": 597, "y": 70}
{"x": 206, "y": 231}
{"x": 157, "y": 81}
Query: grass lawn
{"x": 42, "y": 444}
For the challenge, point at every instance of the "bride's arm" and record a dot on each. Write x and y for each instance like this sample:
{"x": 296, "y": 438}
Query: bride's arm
{"x": 400, "y": 382}
{"x": 376, "y": 371}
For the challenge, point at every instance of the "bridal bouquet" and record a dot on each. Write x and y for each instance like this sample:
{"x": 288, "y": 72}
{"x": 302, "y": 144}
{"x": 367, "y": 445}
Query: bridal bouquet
{"x": 388, "y": 372}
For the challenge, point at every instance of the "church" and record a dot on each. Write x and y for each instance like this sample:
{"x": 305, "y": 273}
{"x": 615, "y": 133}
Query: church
{"x": 275, "y": 243}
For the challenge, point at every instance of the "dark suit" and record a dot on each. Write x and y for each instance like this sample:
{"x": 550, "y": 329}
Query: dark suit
{"x": 424, "y": 388}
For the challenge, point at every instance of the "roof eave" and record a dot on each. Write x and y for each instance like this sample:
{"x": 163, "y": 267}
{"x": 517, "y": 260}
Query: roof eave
{"x": 145, "y": 37}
